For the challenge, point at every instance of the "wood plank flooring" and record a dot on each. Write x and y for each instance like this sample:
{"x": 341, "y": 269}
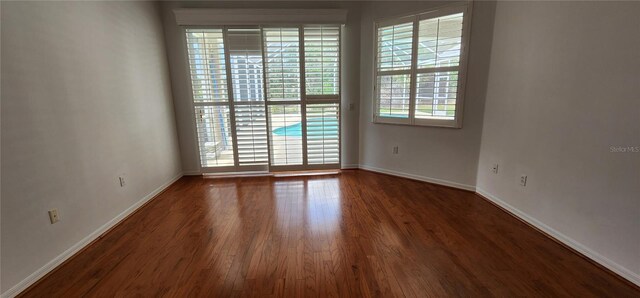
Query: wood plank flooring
{"x": 357, "y": 234}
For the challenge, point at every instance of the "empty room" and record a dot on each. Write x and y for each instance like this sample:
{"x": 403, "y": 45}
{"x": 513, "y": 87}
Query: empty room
{"x": 320, "y": 149}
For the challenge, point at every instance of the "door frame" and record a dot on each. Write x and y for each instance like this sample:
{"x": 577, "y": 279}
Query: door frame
{"x": 303, "y": 102}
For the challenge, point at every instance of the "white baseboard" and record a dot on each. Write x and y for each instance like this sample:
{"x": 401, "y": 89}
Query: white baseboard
{"x": 38, "y": 274}
{"x": 191, "y": 173}
{"x": 598, "y": 258}
{"x": 349, "y": 166}
{"x": 420, "y": 178}
{"x": 237, "y": 174}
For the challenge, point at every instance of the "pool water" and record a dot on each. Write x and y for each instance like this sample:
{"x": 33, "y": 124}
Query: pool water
{"x": 317, "y": 127}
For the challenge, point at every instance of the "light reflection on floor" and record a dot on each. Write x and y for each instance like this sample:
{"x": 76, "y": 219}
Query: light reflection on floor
{"x": 314, "y": 204}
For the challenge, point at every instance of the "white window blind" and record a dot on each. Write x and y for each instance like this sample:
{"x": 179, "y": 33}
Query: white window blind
{"x": 245, "y": 59}
{"x": 440, "y": 41}
{"x": 251, "y": 131}
{"x": 322, "y": 82}
{"x": 252, "y": 109}
{"x": 282, "y": 53}
{"x": 436, "y": 95}
{"x": 207, "y": 64}
{"x": 323, "y": 137}
{"x": 214, "y": 135}
{"x": 394, "y": 47}
{"x": 285, "y": 122}
{"x": 439, "y": 45}
{"x": 208, "y": 72}
{"x": 393, "y": 95}
{"x": 245, "y": 55}
{"x": 395, "y": 43}
{"x": 420, "y": 63}
{"x": 322, "y": 60}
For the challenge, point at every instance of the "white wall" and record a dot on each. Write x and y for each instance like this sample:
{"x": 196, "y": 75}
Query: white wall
{"x": 85, "y": 98}
{"x": 176, "y": 50}
{"x": 443, "y": 155}
{"x": 564, "y": 87}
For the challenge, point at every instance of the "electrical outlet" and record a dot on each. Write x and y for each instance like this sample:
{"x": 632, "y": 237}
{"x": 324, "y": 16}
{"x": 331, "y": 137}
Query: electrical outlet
{"x": 523, "y": 180}
{"x": 395, "y": 150}
{"x": 122, "y": 182}
{"x": 53, "y": 216}
{"x": 494, "y": 169}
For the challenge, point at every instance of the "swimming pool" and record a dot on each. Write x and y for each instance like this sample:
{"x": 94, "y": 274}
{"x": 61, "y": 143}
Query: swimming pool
{"x": 316, "y": 128}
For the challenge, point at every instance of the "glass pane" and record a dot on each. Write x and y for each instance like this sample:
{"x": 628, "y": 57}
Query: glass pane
{"x": 285, "y": 122}
{"x": 214, "y": 136}
{"x": 282, "y": 52}
{"x": 323, "y": 138}
{"x": 436, "y": 95}
{"x": 245, "y": 55}
{"x": 440, "y": 41}
{"x": 322, "y": 60}
{"x": 251, "y": 132}
{"x": 394, "y": 47}
{"x": 393, "y": 95}
{"x": 205, "y": 49}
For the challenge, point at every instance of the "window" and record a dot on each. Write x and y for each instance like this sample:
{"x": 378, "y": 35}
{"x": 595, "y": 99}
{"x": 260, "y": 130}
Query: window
{"x": 245, "y": 63}
{"x": 420, "y": 66}
{"x": 210, "y": 96}
{"x": 322, "y": 60}
{"x": 266, "y": 97}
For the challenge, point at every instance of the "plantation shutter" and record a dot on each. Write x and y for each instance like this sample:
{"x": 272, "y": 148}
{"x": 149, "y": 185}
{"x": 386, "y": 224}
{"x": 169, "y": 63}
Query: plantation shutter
{"x": 323, "y": 135}
{"x": 251, "y": 131}
{"x": 439, "y": 47}
{"x": 208, "y": 72}
{"x": 393, "y": 71}
{"x": 245, "y": 56}
{"x": 285, "y": 122}
{"x": 282, "y": 53}
{"x": 322, "y": 61}
{"x": 266, "y": 97}
{"x": 420, "y": 67}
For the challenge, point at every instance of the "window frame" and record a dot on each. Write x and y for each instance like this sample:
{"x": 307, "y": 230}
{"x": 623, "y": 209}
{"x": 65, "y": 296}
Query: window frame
{"x": 466, "y": 9}
{"x": 304, "y": 102}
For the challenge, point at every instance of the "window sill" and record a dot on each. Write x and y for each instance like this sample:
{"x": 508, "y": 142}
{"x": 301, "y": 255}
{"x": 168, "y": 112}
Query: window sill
{"x": 456, "y": 124}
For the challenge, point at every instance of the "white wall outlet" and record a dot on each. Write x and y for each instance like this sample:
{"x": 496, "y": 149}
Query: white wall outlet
{"x": 395, "y": 149}
{"x": 494, "y": 169}
{"x": 523, "y": 180}
{"x": 53, "y": 216}
{"x": 122, "y": 182}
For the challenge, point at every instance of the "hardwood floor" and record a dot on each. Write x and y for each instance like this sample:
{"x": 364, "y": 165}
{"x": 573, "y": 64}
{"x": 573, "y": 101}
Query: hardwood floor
{"x": 355, "y": 234}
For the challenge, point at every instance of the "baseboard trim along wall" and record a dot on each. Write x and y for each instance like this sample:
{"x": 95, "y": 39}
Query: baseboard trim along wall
{"x": 192, "y": 173}
{"x": 60, "y": 259}
{"x": 420, "y": 178}
{"x": 614, "y": 267}
{"x": 349, "y": 166}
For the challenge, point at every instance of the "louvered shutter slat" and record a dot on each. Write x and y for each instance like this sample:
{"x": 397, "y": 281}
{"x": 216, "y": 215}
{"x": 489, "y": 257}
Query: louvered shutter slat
{"x": 322, "y": 60}
{"x": 439, "y": 45}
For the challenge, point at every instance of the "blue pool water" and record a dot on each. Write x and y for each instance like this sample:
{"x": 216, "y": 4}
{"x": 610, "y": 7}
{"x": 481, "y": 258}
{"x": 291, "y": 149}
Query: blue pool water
{"x": 394, "y": 115}
{"x": 317, "y": 127}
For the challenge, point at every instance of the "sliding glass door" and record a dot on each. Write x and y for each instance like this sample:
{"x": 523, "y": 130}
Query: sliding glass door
{"x": 245, "y": 61}
{"x": 266, "y": 98}
{"x": 322, "y": 95}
